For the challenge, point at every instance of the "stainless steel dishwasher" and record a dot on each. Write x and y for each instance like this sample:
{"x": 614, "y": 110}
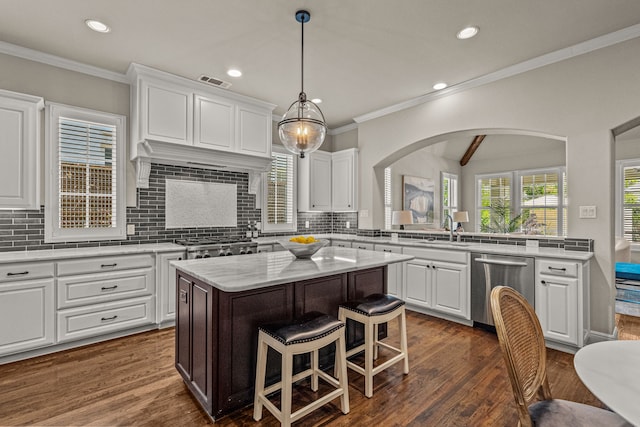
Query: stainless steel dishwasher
{"x": 489, "y": 271}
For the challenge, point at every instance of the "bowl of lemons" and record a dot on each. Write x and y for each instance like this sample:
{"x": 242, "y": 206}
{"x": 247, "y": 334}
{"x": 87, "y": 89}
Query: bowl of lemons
{"x": 303, "y": 246}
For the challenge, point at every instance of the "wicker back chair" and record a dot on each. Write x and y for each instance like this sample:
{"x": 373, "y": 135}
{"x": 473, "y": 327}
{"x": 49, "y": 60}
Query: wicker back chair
{"x": 524, "y": 351}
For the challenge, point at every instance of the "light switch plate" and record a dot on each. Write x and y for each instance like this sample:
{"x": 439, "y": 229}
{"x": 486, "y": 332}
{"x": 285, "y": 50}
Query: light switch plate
{"x": 306, "y": 224}
{"x": 347, "y": 225}
{"x": 131, "y": 229}
{"x": 588, "y": 212}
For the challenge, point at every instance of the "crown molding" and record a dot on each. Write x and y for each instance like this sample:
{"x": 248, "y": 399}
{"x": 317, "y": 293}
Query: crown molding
{"x": 57, "y": 61}
{"x": 606, "y": 40}
{"x": 343, "y": 129}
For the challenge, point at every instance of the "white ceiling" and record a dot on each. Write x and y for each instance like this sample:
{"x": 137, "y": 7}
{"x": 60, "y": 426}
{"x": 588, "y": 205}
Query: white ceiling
{"x": 360, "y": 55}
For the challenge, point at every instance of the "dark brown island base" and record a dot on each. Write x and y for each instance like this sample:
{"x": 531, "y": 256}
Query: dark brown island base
{"x": 221, "y": 302}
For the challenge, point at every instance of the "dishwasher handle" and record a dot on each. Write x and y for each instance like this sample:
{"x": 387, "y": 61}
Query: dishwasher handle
{"x": 501, "y": 262}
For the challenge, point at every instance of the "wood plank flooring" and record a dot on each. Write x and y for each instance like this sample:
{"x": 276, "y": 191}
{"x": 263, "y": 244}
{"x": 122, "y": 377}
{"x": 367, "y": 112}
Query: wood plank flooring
{"x": 457, "y": 378}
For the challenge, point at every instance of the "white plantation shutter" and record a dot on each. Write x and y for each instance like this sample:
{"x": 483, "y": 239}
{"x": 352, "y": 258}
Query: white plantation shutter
{"x": 491, "y": 191}
{"x": 387, "y": 198}
{"x": 87, "y": 174}
{"x": 631, "y": 203}
{"x": 449, "y": 192}
{"x": 279, "y": 211}
{"x": 541, "y": 193}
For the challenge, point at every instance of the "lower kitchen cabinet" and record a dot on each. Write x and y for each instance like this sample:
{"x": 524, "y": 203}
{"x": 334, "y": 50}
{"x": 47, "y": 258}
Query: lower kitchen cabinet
{"x": 166, "y": 291}
{"x": 394, "y": 271}
{"x": 438, "y": 281}
{"x": 341, "y": 243}
{"x": 27, "y": 313}
{"x": 562, "y": 300}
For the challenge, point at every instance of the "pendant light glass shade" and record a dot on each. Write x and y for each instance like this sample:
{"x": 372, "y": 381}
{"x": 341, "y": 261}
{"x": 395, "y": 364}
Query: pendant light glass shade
{"x": 302, "y": 129}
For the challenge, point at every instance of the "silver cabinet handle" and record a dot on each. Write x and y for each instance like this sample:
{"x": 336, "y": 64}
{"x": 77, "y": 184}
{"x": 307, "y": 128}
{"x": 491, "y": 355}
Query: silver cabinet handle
{"x": 108, "y": 288}
{"x": 557, "y": 268}
{"x": 107, "y": 319}
{"x": 500, "y": 262}
{"x": 108, "y": 265}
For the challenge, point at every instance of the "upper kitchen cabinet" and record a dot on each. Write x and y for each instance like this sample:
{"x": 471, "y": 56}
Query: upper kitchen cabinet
{"x": 314, "y": 182}
{"x": 344, "y": 194}
{"x": 20, "y": 160}
{"x": 179, "y": 121}
{"x": 328, "y": 181}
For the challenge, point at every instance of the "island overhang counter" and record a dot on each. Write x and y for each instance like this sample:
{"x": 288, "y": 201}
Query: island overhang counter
{"x": 222, "y": 301}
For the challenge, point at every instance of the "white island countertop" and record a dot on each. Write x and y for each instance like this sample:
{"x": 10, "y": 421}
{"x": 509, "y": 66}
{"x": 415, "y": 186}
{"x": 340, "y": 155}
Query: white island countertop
{"x": 241, "y": 273}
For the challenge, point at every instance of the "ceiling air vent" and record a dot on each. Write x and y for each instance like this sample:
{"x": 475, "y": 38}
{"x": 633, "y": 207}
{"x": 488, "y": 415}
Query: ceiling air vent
{"x": 214, "y": 82}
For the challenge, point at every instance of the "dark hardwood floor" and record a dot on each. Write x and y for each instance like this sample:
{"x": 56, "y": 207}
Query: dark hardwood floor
{"x": 457, "y": 378}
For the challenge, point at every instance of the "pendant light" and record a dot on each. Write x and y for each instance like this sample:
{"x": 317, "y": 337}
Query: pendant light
{"x": 302, "y": 128}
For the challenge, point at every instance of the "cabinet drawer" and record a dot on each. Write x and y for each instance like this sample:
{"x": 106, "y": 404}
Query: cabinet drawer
{"x": 27, "y": 270}
{"x": 102, "y": 287}
{"x": 558, "y": 268}
{"x": 77, "y": 323}
{"x": 360, "y": 245}
{"x": 103, "y": 264}
{"x": 389, "y": 248}
{"x": 437, "y": 254}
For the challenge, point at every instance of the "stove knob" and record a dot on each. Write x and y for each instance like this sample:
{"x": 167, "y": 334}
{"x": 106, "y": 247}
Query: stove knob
{"x": 198, "y": 256}
{"x": 206, "y": 254}
{"x": 249, "y": 251}
{"x": 229, "y": 253}
{"x": 221, "y": 252}
{"x": 242, "y": 251}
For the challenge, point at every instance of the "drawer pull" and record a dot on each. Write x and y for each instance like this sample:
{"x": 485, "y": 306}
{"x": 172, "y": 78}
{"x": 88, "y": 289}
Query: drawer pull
{"x": 386, "y": 250}
{"x": 557, "y": 269}
{"x": 108, "y": 265}
{"x": 107, "y": 319}
{"x": 18, "y": 274}
{"x": 109, "y": 288}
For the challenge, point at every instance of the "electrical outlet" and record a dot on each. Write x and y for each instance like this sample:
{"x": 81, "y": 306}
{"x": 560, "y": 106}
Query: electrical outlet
{"x": 348, "y": 224}
{"x": 588, "y": 212}
{"x": 249, "y": 234}
{"x": 255, "y": 234}
{"x": 306, "y": 224}
{"x": 131, "y": 229}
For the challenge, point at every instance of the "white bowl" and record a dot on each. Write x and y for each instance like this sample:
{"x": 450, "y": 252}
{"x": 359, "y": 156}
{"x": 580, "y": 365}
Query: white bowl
{"x": 303, "y": 250}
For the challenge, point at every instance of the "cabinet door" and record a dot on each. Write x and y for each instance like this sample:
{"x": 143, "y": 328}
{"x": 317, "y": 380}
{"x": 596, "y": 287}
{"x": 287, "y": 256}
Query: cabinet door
{"x": 166, "y": 291}
{"x": 201, "y": 345}
{"x": 264, "y": 248}
{"x": 320, "y": 182}
{"x": 167, "y": 113}
{"x": 343, "y": 182}
{"x": 417, "y": 282}
{"x": 254, "y": 131}
{"x": 183, "y": 328}
{"x": 19, "y": 163}
{"x": 451, "y": 289}
{"x": 27, "y": 315}
{"x": 341, "y": 243}
{"x": 214, "y": 123}
{"x": 394, "y": 271}
{"x": 557, "y": 307}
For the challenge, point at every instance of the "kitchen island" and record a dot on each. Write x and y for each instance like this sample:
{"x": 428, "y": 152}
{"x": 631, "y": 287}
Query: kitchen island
{"x": 222, "y": 301}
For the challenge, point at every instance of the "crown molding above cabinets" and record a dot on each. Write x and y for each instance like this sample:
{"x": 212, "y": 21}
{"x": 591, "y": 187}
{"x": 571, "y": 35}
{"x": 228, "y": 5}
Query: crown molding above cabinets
{"x": 183, "y": 122}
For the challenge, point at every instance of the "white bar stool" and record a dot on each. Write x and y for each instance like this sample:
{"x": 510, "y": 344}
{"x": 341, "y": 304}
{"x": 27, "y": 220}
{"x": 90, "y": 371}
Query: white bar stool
{"x": 372, "y": 311}
{"x": 307, "y": 334}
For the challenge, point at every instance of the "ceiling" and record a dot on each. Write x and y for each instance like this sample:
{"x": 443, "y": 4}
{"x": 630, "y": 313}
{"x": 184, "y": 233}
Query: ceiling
{"x": 360, "y": 55}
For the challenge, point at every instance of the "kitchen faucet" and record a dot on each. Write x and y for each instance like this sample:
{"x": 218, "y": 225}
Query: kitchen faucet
{"x": 450, "y": 226}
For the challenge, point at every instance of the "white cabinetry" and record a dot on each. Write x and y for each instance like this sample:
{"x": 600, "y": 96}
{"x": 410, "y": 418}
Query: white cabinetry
{"x": 394, "y": 271}
{"x": 167, "y": 112}
{"x": 253, "y": 130}
{"x": 344, "y": 194}
{"x": 341, "y": 243}
{"x": 214, "y": 123}
{"x": 314, "y": 182}
{"x": 20, "y": 160}
{"x": 328, "y": 181}
{"x": 438, "y": 280}
{"x": 104, "y": 294}
{"x": 166, "y": 290}
{"x": 561, "y": 300}
{"x": 27, "y": 305}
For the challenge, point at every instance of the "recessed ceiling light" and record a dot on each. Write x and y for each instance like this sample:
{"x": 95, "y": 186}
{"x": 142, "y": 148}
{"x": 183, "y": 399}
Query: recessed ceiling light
{"x": 439, "y": 86}
{"x": 98, "y": 26}
{"x": 467, "y": 33}
{"x": 316, "y": 100}
{"x": 234, "y": 73}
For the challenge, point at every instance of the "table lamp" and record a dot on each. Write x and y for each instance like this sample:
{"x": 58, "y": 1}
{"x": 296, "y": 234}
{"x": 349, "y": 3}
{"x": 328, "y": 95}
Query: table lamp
{"x": 401, "y": 218}
{"x": 460, "y": 216}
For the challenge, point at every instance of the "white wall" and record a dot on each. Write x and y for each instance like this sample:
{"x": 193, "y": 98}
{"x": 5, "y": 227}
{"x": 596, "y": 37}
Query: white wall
{"x": 580, "y": 99}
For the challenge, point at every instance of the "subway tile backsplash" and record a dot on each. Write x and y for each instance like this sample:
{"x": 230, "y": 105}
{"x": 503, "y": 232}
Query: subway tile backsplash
{"x": 24, "y": 229}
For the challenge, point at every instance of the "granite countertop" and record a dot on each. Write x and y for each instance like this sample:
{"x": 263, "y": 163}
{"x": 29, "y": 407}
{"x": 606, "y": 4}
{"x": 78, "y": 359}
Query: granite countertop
{"x": 241, "y": 273}
{"x": 446, "y": 245}
{"x": 90, "y": 251}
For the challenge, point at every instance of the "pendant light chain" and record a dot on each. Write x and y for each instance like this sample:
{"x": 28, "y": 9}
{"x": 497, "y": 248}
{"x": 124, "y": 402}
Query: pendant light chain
{"x": 302, "y": 58}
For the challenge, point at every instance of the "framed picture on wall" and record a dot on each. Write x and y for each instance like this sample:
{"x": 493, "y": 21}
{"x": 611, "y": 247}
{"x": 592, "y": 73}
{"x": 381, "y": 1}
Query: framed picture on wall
{"x": 417, "y": 197}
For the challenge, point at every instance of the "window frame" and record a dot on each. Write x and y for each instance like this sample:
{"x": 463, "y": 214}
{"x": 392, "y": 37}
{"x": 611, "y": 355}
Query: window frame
{"x": 478, "y": 207}
{"x": 286, "y": 227}
{"x": 456, "y": 194}
{"x": 53, "y": 233}
{"x": 619, "y": 197}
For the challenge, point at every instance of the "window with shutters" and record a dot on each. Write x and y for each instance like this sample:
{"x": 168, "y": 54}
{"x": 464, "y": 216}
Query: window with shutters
{"x": 449, "y": 192}
{"x": 279, "y": 205}
{"x": 493, "y": 203}
{"x": 85, "y": 175}
{"x": 628, "y": 200}
{"x": 388, "y": 208}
